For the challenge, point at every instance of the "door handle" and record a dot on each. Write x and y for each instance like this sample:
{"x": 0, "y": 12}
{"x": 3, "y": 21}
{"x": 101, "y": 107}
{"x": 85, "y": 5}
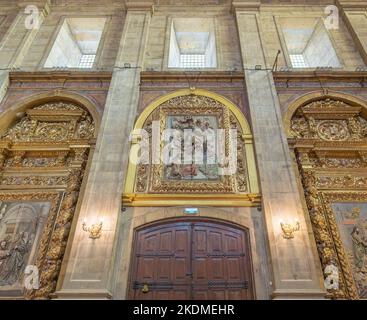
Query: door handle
{"x": 145, "y": 288}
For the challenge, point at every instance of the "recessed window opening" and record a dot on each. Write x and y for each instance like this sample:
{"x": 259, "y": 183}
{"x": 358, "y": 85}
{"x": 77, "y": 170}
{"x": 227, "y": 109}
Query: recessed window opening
{"x": 308, "y": 43}
{"x": 192, "y": 44}
{"x": 76, "y": 44}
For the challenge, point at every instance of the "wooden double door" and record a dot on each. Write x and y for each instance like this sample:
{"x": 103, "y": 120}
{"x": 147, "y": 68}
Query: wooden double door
{"x": 191, "y": 259}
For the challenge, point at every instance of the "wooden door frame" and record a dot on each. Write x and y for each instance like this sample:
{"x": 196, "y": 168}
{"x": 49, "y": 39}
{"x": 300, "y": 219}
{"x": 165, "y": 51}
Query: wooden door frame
{"x": 190, "y": 219}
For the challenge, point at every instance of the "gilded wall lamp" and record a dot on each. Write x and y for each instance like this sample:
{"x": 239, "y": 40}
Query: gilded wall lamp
{"x": 94, "y": 230}
{"x": 289, "y": 229}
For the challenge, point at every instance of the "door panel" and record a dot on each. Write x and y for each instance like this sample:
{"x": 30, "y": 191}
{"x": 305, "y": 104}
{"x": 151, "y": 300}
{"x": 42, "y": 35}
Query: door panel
{"x": 191, "y": 260}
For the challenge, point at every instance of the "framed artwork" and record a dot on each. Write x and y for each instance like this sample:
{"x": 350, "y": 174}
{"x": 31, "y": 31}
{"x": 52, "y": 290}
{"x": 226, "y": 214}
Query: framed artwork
{"x": 191, "y": 113}
{"x": 193, "y": 171}
{"x": 351, "y": 219}
{"x": 21, "y": 227}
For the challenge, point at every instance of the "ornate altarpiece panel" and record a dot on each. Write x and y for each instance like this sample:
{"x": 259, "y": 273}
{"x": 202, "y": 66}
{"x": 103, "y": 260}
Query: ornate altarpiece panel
{"x": 42, "y": 161}
{"x": 330, "y": 144}
{"x": 195, "y": 112}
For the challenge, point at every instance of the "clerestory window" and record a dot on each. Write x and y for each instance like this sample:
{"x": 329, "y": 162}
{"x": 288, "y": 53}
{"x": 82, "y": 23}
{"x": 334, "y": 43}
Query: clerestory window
{"x": 192, "y": 44}
{"x": 76, "y": 44}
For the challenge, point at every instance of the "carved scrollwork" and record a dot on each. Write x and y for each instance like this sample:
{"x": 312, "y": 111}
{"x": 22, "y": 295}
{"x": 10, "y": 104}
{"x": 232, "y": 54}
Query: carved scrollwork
{"x": 241, "y": 176}
{"x": 69, "y": 122}
{"x": 58, "y": 106}
{"x": 333, "y": 130}
{"x": 329, "y": 120}
{"x": 143, "y": 170}
{"x": 336, "y": 162}
{"x": 340, "y": 182}
{"x": 34, "y": 181}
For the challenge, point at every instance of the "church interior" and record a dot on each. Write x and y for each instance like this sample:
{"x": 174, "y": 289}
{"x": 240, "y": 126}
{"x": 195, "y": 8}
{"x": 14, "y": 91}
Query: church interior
{"x": 183, "y": 149}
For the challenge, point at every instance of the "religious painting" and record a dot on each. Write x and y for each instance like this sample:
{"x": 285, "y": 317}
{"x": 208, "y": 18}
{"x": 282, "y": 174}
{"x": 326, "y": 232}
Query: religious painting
{"x": 192, "y": 121}
{"x": 21, "y": 226}
{"x": 197, "y": 146}
{"x": 351, "y": 218}
{"x": 189, "y": 168}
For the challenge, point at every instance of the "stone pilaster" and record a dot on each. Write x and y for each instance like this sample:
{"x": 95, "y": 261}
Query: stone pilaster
{"x": 88, "y": 268}
{"x": 354, "y": 13}
{"x": 17, "y": 40}
{"x": 296, "y": 267}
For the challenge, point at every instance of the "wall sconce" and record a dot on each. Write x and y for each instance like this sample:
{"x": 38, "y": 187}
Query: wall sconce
{"x": 95, "y": 230}
{"x": 289, "y": 229}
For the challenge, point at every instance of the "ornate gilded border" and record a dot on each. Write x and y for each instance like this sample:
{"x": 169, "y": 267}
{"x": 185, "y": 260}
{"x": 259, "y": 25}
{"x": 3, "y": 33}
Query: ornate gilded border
{"x": 329, "y": 245}
{"x": 136, "y": 191}
{"x": 48, "y": 163}
{"x": 328, "y": 199}
{"x": 225, "y": 184}
{"x": 44, "y": 248}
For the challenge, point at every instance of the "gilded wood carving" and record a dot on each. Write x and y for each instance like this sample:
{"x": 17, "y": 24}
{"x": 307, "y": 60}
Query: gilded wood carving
{"x": 330, "y": 143}
{"x": 43, "y": 158}
{"x": 200, "y": 110}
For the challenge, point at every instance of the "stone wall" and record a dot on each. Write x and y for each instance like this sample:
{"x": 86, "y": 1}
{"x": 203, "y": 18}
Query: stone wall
{"x": 136, "y": 39}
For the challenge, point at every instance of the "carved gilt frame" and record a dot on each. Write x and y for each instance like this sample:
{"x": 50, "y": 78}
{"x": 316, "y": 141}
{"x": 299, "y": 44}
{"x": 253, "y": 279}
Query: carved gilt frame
{"x": 36, "y": 165}
{"x": 44, "y": 249}
{"x": 350, "y": 289}
{"x": 166, "y": 193}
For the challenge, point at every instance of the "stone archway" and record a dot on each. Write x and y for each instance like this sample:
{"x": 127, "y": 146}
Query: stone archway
{"x": 231, "y": 189}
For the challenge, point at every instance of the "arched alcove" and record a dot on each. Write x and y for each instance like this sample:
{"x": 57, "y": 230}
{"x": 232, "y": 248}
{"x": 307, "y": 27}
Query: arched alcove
{"x": 16, "y": 110}
{"x": 147, "y": 184}
{"x": 328, "y": 134}
{"x": 44, "y": 148}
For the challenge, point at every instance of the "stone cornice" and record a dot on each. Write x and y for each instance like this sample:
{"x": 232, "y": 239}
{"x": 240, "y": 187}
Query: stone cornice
{"x": 41, "y": 4}
{"x": 352, "y": 4}
{"x": 169, "y": 76}
{"x": 305, "y": 76}
{"x": 139, "y": 5}
{"x": 60, "y": 75}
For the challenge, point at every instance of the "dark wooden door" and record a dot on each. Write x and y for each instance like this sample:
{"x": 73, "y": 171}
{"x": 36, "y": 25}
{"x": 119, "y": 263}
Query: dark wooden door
{"x": 194, "y": 259}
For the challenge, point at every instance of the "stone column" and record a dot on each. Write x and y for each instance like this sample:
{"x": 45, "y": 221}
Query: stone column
{"x": 17, "y": 40}
{"x": 354, "y": 13}
{"x": 88, "y": 268}
{"x": 296, "y": 266}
